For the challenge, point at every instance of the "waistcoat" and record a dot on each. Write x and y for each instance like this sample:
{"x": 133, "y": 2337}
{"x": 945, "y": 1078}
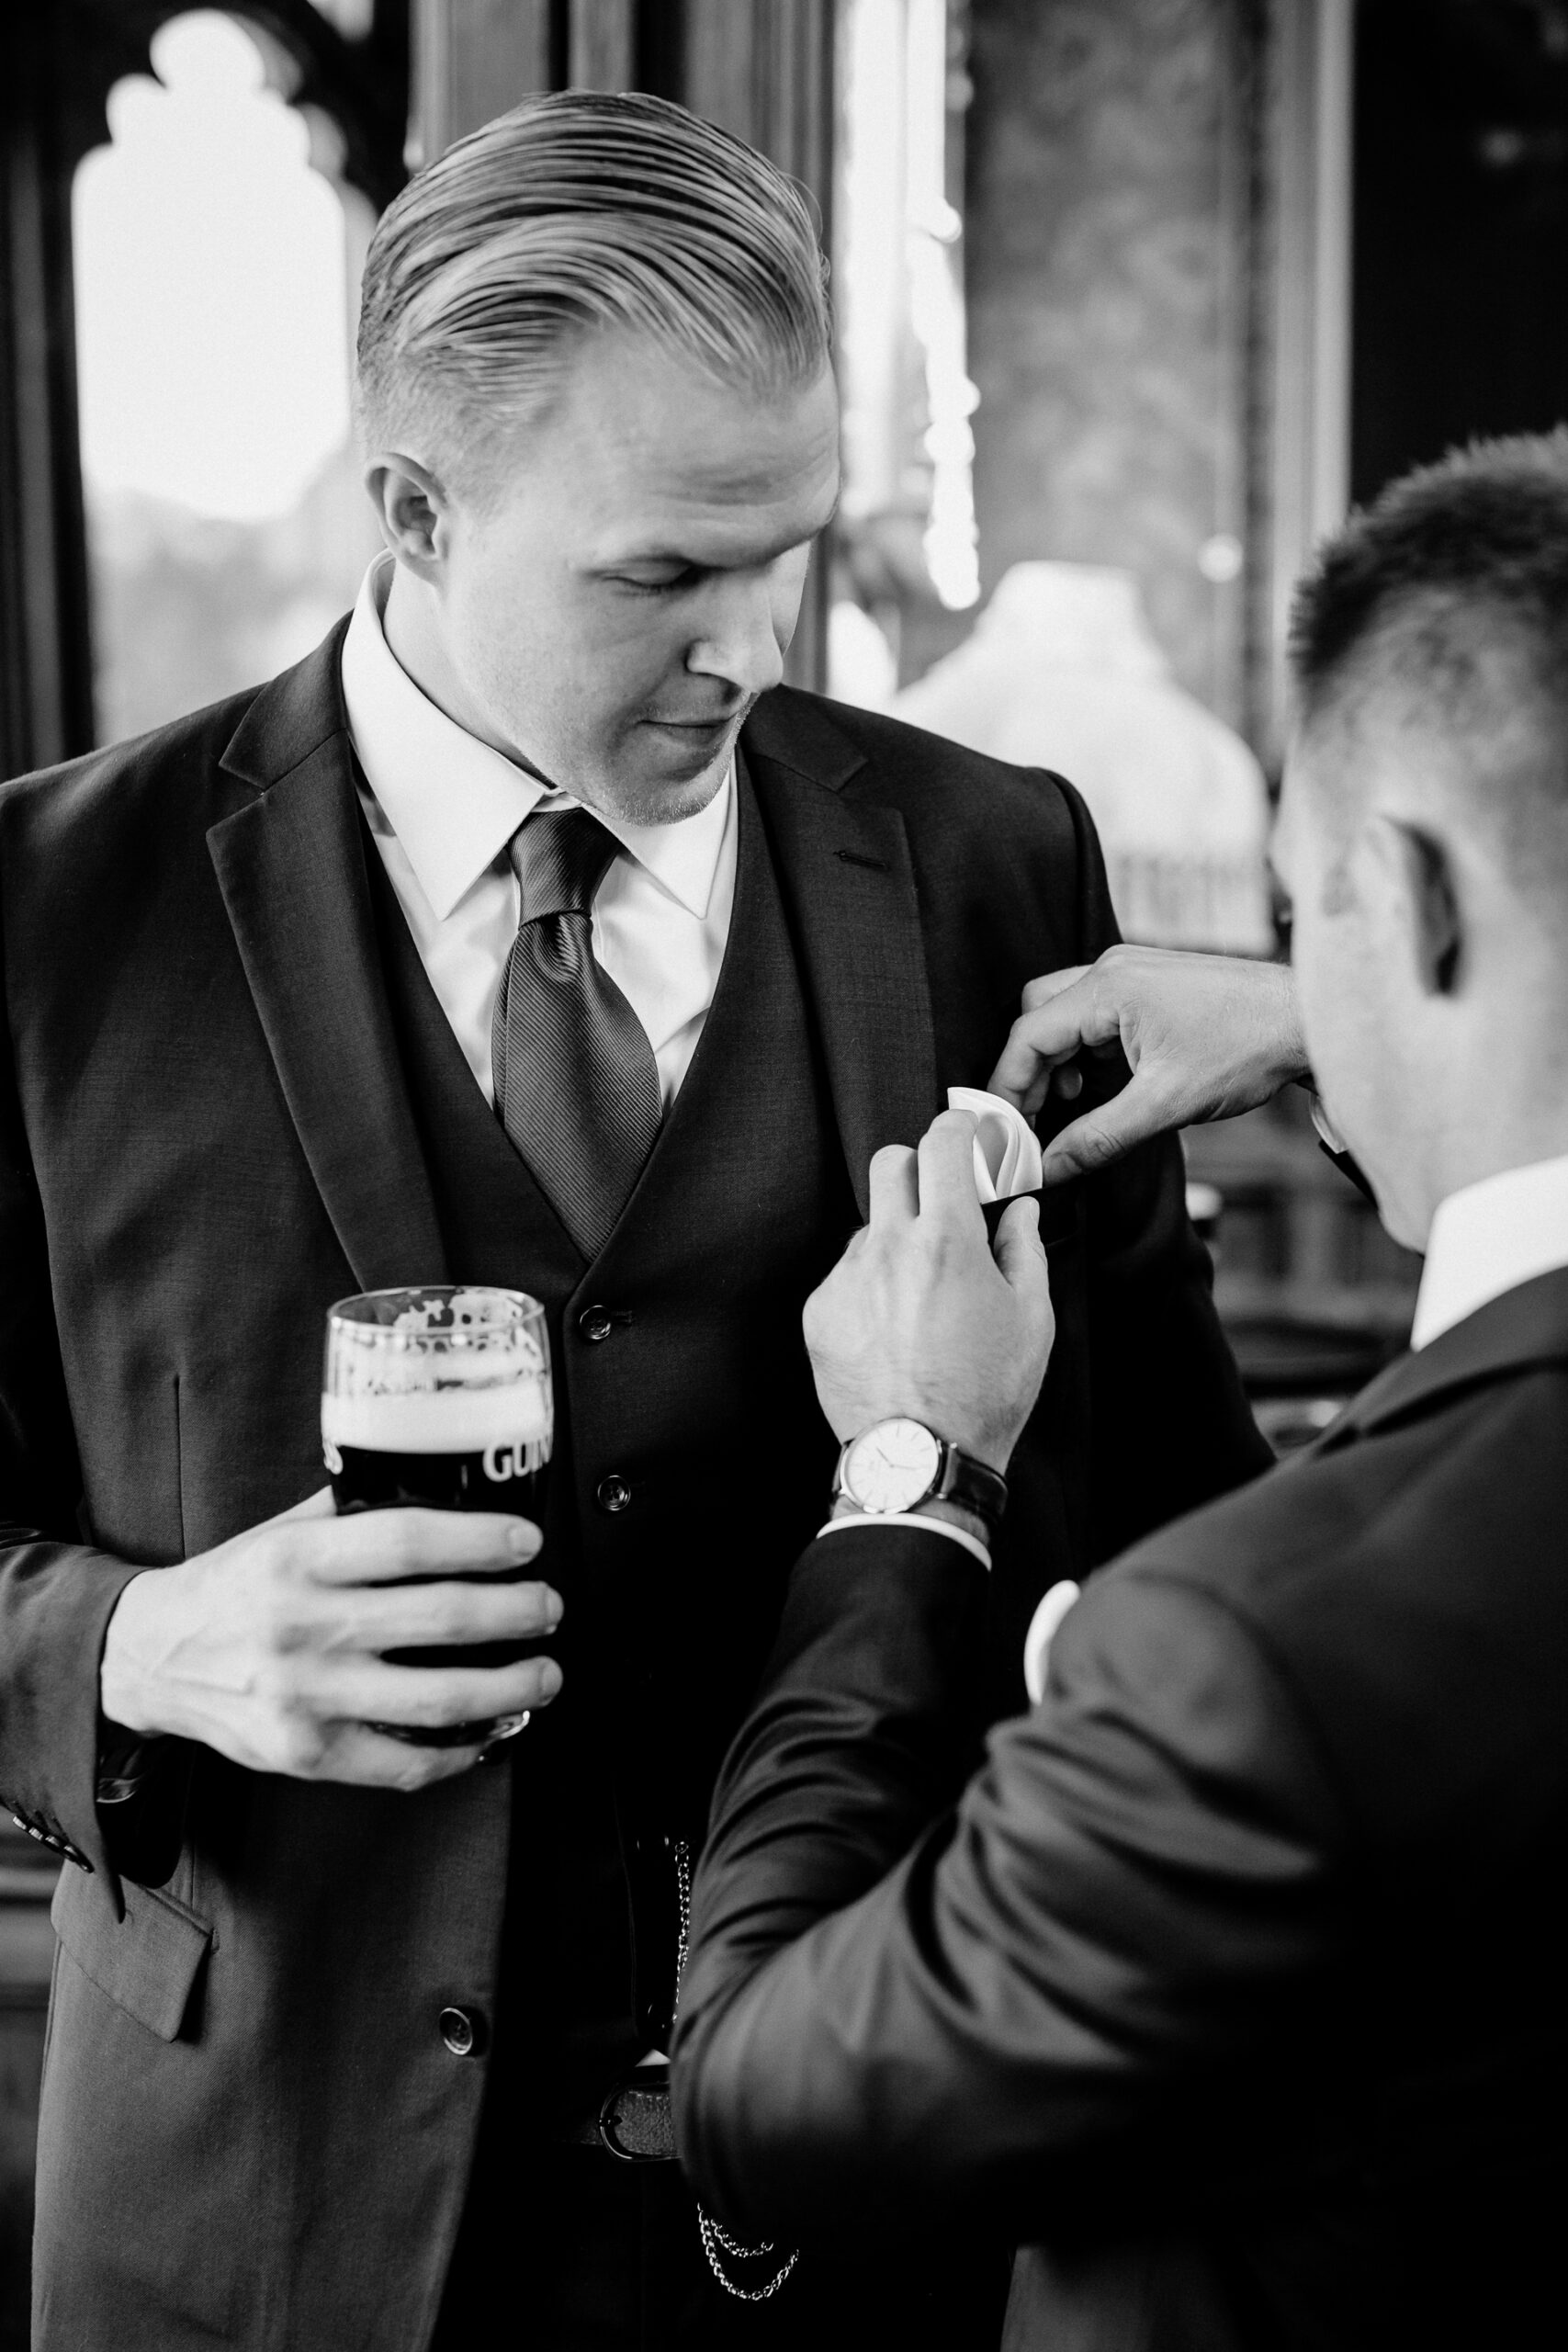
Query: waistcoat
{"x": 692, "y": 1462}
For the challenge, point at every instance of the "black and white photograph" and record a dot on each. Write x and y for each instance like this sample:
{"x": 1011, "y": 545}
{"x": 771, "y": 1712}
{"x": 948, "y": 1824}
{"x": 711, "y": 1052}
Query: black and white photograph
{"x": 783, "y": 1175}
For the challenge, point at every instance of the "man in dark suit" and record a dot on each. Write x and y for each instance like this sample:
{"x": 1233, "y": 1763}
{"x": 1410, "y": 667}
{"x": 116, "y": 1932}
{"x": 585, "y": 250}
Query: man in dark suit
{"x": 1231, "y": 1985}
{"x": 530, "y": 933}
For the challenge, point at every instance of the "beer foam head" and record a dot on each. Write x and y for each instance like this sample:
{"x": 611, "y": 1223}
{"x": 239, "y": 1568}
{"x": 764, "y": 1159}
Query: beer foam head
{"x": 460, "y": 1419}
{"x": 441, "y": 1370}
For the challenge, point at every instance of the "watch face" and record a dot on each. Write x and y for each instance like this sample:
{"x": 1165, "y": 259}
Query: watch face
{"x": 892, "y": 1466}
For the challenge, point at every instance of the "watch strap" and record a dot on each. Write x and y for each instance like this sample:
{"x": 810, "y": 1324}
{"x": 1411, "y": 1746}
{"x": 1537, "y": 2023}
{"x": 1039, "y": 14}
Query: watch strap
{"x": 973, "y": 1484}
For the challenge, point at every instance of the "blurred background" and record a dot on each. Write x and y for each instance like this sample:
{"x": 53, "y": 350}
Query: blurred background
{"x": 1134, "y": 298}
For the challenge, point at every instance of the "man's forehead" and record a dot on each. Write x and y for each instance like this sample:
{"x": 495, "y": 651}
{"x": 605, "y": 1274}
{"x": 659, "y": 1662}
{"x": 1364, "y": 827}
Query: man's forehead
{"x": 741, "y": 521}
{"x": 730, "y": 510}
{"x": 653, "y": 443}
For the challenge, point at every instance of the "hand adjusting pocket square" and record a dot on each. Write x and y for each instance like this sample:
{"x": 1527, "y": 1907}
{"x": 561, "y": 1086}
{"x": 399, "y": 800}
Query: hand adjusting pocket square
{"x": 1006, "y": 1150}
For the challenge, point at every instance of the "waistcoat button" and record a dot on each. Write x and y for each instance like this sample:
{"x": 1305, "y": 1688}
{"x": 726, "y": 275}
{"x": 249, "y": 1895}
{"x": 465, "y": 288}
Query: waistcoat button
{"x": 463, "y": 2031}
{"x": 613, "y": 1493}
{"x": 594, "y": 1323}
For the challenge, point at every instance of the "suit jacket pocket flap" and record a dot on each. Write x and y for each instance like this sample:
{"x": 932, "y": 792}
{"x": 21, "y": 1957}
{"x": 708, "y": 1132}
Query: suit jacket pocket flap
{"x": 147, "y": 1962}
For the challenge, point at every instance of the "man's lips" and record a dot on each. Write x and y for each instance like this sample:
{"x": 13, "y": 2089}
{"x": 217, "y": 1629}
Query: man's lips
{"x": 697, "y": 726}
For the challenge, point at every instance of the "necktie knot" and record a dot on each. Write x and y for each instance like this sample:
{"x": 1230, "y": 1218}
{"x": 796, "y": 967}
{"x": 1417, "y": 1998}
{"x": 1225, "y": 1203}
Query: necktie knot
{"x": 559, "y": 860}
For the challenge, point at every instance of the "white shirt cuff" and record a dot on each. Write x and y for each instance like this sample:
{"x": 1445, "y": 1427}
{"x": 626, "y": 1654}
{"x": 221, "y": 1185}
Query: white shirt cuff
{"x": 911, "y": 1519}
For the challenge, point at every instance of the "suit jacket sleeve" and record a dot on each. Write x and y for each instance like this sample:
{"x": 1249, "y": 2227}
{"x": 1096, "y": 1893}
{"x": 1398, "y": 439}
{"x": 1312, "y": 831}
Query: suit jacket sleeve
{"x": 1111, "y": 1921}
{"x": 1162, "y": 1373}
{"x": 56, "y": 1593}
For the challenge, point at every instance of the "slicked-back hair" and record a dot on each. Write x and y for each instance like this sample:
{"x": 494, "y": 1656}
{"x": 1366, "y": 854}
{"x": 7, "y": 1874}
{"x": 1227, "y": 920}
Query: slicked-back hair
{"x": 575, "y": 213}
{"x": 1445, "y": 606}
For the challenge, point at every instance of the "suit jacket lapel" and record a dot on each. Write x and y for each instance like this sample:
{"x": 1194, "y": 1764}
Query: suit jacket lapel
{"x": 848, "y": 887}
{"x": 291, "y": 867}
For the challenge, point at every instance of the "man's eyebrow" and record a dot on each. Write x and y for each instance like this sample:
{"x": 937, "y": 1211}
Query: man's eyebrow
{"x": 654, "y": 553}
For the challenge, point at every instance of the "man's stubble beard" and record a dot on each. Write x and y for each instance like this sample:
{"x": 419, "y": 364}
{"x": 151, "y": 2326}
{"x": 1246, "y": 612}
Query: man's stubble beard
{"x": 671, "y": 803}
{"x": 668, "y": 802}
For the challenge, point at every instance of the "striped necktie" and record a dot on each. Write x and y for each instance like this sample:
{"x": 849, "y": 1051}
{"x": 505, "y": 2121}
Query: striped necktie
{"x": 576, "y": 1085}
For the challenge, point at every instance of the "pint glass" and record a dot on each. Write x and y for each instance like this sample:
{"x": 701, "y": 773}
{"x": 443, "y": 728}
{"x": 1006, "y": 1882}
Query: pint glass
{"x": 440, "y": 1397}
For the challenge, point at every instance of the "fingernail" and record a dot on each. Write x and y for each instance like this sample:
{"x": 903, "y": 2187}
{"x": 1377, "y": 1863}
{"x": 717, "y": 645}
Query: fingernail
{"x": 522, "y": 1540}
{"x": 549, "y": 1678}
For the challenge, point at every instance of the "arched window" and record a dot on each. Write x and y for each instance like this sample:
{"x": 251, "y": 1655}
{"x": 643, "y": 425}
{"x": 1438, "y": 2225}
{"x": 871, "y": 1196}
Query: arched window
{"x": 216, "y": 265}
{"x": 343, "y": 66}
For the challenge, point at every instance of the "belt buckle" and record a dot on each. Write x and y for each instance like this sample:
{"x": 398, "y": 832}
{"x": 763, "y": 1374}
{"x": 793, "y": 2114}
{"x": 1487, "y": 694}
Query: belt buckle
{"x": 648, "y": 2086}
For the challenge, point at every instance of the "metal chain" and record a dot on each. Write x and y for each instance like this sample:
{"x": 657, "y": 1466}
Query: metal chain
{"x": 715, "y": 2240}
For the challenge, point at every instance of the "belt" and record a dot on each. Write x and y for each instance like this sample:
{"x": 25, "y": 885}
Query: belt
{"x": 634, "y": 2121}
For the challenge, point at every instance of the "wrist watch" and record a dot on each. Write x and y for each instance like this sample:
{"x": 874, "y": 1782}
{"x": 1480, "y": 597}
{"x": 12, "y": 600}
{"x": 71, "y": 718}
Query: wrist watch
{"x": 897, "y": 1466}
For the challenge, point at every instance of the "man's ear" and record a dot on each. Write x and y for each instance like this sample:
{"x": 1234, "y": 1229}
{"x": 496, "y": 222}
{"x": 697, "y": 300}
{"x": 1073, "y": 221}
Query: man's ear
{"x": 1436, "y": 925}
{"x": 412, "y": 508}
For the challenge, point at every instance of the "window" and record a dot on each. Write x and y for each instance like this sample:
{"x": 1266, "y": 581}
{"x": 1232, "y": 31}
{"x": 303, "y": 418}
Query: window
{"x": 217, "y": 265}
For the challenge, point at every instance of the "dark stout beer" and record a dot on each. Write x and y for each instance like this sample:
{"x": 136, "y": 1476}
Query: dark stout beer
{"x": 440, "y": 1398}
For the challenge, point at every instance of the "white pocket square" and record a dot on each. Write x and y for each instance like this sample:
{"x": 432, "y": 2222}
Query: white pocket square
{"x": 1006, "y": 1150}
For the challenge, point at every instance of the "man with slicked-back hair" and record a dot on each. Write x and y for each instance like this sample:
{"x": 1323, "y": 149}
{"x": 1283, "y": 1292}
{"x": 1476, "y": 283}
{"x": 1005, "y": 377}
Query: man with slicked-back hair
{"x": 529, "y": 933}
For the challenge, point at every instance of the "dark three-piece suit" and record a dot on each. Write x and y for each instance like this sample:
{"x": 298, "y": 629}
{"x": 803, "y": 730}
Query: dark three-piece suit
{"x": 227, "y": 1097}
{"x": 1233, "y": 1986}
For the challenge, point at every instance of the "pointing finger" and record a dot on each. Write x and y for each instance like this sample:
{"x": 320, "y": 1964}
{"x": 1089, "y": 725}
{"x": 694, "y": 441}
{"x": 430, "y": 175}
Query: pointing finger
{"x": 1052, "y": 984}
{"x": 1078, "y": 1016}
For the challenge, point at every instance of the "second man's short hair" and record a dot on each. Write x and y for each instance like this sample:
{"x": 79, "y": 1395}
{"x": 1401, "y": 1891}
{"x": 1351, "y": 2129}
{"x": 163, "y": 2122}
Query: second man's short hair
{"x": 1469, "y": 550}
{"x": 1442, "y": 610}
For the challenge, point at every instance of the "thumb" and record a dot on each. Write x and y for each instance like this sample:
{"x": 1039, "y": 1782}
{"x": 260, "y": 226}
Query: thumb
{"x": 1019, "y": 1250}
{"x": 1108, "y": 1131}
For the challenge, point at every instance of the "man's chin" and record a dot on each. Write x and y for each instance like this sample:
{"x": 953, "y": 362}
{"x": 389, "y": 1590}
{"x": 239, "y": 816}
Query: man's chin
{"x": 676, "y": 772}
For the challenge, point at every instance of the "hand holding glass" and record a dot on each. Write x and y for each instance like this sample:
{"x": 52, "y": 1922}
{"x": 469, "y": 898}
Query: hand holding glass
{"x": 440, "y": 1397}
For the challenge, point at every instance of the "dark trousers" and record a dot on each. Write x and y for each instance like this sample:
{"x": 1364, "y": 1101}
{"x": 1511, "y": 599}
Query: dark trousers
{"x": 568, "y": 2250}
{"x": 565, "y": 2248}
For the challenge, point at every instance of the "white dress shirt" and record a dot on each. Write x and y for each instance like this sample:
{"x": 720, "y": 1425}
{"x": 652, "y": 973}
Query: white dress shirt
{"x": 442, "y": 807}
{"x": 1488, "y": 1239}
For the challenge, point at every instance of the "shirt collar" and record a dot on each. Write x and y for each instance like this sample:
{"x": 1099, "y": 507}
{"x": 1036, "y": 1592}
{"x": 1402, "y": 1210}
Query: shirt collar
{"x": 453, "y": 802}
{"x": 1489, "y": 1238}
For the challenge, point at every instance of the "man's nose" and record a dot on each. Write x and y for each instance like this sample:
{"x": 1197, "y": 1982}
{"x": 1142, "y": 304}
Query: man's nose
{"x": 741, "y": 640}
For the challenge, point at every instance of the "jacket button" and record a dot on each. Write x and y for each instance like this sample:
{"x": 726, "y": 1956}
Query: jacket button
{"x": 463, "y": 2031}
{"x": 596, "y": 1322}
{"x": 613, "y": 1493}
